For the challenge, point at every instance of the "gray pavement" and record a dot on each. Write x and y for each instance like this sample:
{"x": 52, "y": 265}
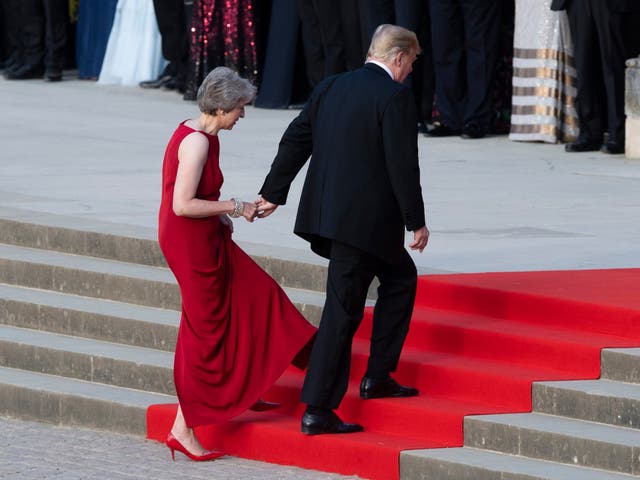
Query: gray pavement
{"x": 80, "y": 155}
{"x": 34, "y": 451}
{"x": 93, "y": 154}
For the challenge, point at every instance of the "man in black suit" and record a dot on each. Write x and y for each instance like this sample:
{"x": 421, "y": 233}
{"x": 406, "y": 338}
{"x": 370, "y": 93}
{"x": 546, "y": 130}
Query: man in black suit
{"x": 599, "y": 55}
{"x": 361, "y": 190}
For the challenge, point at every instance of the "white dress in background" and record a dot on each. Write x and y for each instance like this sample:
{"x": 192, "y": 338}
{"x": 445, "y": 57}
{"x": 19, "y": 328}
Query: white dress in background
{"x": 134, "y": 49}
{"x": 544, "y": 77}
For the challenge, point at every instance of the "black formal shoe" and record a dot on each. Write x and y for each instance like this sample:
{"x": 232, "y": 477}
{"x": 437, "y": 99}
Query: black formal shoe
{"x": 263, "y": 406}
{"x": 582, "y": 145}
{"x": 329, "y": 422}
{"x": 613, "y": 148}
{"x": 472, "y": 130}
{"x": 374, "y": 388}
{"x": 25, "y": 72}
{"x": 441, "y": 130}
{"x": 423, "y": 128}
{"x": 53, "y": 74}
{"x": 171, "y": 84}
{"x": 161, "y": 81}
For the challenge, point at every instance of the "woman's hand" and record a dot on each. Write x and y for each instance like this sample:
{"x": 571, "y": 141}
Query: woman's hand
{"x": 249, "y": 210}
{"x": 227, "y": 222}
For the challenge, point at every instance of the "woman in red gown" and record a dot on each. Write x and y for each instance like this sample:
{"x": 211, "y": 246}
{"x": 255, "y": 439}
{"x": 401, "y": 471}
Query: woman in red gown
{"x": 238, "y": 330}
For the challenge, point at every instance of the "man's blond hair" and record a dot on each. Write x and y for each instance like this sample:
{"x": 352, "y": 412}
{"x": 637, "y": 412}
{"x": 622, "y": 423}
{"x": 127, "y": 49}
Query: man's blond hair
{"x": 389, "y": 40}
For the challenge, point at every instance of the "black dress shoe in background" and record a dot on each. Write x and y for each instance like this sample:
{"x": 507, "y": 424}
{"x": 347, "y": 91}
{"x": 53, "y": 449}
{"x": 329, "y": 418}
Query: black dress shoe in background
{"x": 441, "y": 130}
{"x": 326, "y": 422}
{"x": 583, "y": 145}
{"x": 472, "y": 131}
{"x": 25, "y": 72}
{"x": 612, "y": 148}
{"x": 388, "y": 387}
{"x": 161, "y": 81}
{"x": 53, "y": 74}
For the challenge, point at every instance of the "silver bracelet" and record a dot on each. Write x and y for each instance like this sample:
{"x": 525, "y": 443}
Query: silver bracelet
{"x": 238, "y": 208}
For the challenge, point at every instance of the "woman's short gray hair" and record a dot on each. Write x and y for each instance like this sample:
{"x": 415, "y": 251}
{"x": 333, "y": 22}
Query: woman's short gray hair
{"x": 224, "y": 89}
{"x": 389, "y": 40}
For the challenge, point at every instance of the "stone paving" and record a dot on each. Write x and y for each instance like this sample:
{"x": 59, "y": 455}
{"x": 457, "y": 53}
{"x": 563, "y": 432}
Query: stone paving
{"x": 35, "y": 451}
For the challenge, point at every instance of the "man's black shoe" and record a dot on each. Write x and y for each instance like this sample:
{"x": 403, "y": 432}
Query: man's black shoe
{"x": 613, "y": 148}
{"x": 472, "y": 130}
{"x": 25, "y": 72}
{"x": 582, "y": 146}
{"x": 329, "y": 422}
{"x": 441, "y": 130}
{"x": 161, "y": 81}
{"x": 374, "y": 388}
{"x": 53, "y": 74}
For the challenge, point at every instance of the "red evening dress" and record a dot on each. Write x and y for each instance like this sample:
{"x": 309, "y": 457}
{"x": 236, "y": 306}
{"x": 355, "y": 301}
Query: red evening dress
{"x": 238, "y": 331}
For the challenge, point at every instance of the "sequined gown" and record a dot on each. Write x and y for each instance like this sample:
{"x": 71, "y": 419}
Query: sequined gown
{"x": 238, "y": 331}
{"x": 223, "y": 33}
{"x": 544, "y": 76}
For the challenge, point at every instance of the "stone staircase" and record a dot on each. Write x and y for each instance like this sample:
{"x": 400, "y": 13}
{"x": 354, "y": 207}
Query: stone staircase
{"x": 88, "y": 323}
{"x": 578, "y": 430}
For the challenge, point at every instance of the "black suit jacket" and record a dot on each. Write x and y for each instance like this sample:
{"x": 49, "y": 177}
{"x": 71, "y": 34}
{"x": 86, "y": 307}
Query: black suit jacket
{"x": 614, "y": 5}
{"x": 363, "y": 183}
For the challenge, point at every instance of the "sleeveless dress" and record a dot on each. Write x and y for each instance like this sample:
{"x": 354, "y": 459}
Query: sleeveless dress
{"x": 238, "y": 331}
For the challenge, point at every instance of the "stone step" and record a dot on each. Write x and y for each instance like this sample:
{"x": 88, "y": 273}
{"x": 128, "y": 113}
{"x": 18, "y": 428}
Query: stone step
{"x": 71, "y": 402}
{"x": 90, "y": 360}
{"x": 473, "y": 464}
{"x": 603, "y": 401}
{"x": 622, "y": 364}
{"x": 557, "y": 439}
{"x": 110, "y": 279}
{"x": 88, "y": 317}
{"x": 139, "y": 245}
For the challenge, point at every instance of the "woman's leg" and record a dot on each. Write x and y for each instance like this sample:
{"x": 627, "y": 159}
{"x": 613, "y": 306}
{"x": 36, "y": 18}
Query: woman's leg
{"x": 186, "y": 436}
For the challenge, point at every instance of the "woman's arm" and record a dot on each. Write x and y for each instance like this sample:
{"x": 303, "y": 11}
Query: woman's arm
{"x": 192, "y": 155}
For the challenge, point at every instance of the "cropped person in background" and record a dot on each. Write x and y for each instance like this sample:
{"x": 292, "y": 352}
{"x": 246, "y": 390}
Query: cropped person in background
{"x": 597, "y": 29}
{"x": 544, "y": 80}
{"x": 41, "y": 39}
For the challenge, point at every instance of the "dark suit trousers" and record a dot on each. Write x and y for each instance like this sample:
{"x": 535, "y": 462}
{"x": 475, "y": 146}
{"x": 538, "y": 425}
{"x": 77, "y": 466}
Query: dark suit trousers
{"x": 322, "y": 38}
{"x": 350, "y": 273}
{"x": 599, "y": 56}
{"x": 465, "y": 45}
{"x": 43, "y": 32}
{"x": 174, "y": 20}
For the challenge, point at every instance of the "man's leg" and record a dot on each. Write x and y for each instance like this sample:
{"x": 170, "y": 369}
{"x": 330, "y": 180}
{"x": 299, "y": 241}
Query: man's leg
{"x": 391, "y": 316}
{"x": 590, "y": 103}
{"x": 349, "y": 275}
{"x": 447, "y": 33}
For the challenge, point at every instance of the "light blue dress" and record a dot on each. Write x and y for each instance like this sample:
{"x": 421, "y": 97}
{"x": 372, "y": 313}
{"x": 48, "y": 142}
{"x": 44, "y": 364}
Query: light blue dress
{"x": 134, "y": 49}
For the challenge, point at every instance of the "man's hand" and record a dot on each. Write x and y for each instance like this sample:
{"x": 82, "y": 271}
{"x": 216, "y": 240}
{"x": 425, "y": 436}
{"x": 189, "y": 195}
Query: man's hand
{"x": 265, "y": 208}
{"x": 420, "y": 239}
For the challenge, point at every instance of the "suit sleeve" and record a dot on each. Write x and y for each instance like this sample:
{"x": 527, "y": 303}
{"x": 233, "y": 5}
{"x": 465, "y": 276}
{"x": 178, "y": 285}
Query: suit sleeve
{"x": 293, "y": 152}
{"x": 401, "y": 156}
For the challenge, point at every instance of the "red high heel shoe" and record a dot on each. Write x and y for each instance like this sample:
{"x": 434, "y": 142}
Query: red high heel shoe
{"x": 263, "y": 406}
{"x": 173, "y": 444}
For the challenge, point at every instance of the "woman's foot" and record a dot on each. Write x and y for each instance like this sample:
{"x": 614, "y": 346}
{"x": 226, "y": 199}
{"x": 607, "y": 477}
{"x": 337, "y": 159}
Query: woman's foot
{"x": 195, "y": 451}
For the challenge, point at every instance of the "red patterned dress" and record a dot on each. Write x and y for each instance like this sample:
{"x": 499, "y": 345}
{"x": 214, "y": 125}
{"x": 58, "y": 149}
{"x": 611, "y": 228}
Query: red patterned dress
{"x": 238, "y": 330}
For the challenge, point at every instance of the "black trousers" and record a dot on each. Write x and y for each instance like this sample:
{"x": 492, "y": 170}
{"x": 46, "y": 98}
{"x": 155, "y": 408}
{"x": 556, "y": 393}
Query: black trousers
{"x": 322, "y": 38}
{"x": 465, "y": 46}
{"x": 599, "y": 56}
{"x": 42, "y": 32}
{"x": 174, "y": 18}
{"x": 350, "y": 273}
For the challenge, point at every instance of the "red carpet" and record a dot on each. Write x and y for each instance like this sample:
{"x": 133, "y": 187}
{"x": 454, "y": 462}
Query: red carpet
{"x": 476, "y": 343}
